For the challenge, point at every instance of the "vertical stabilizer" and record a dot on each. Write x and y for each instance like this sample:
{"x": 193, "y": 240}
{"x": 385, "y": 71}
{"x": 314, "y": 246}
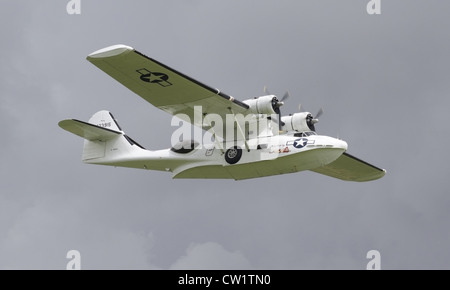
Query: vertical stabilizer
{"x": 104, "y": 119}
{"x": 105, "y": 142}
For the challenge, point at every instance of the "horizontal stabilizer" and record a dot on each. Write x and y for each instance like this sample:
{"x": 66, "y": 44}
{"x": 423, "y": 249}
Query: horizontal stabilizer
{"x": 88, "y": 131}
{"x": 348, "y": 167}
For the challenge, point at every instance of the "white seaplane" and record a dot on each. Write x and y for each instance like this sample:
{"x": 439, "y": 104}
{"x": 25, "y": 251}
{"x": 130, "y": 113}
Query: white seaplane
{"x": 249, "y": 138}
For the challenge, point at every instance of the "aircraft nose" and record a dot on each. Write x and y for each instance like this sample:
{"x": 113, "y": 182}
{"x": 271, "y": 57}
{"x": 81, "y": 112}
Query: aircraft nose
{"x": 338, "y": 143}
{"x": 341, "y": 144}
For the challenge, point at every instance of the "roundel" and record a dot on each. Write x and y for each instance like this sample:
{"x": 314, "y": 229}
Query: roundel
{"x": 300, "y": 143}
{"x": 154, "y": 77}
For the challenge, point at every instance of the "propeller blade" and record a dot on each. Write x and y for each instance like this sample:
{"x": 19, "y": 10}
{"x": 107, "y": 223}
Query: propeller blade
{"x": 285, "y": 96}
{"x": 319, "y": 113}
{"x": 266, "y": 91}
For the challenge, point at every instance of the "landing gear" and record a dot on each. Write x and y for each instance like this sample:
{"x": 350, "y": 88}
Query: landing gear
{"x": 233, "y": 155}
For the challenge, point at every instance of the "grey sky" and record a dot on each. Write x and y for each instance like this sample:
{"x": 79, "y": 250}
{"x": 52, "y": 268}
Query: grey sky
{"x": 382, "y": 80}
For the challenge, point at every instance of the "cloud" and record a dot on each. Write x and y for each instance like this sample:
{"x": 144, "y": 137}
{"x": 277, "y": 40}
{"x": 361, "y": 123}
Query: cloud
{"x": 38, "y": 234}
{"x": 211, "y": 256}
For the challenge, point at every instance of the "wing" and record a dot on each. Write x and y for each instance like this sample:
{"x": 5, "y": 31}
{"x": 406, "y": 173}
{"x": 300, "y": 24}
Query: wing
{"x": 348, "y": 167}
{"x": 164, "y": 87}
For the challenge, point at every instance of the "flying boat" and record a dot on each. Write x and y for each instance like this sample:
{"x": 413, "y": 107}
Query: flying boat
{"x": 244, "y": 139}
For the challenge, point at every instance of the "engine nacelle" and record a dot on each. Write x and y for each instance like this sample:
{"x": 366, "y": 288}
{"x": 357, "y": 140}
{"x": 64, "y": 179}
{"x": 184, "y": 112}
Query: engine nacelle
{"x": 262, "y": 105}
{"x": 297, "y": 122}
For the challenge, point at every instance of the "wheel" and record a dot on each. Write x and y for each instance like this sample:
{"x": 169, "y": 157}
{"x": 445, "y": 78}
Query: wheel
{"x": 233, "y": 155}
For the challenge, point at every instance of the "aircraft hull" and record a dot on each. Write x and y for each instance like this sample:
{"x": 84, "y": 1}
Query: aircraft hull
{"x": 283, "y": 154}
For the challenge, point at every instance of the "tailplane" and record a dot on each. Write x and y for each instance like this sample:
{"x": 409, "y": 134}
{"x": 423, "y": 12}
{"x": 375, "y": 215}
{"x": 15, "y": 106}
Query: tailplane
{"x": 105, "y": 142}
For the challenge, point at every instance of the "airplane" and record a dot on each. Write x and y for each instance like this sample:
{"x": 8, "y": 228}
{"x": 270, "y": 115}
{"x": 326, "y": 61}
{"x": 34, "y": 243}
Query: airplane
{"x": 248, "y": 139}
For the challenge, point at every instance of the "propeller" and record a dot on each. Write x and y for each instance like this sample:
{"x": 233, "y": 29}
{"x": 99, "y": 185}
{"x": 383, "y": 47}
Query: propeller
{"x": 310, "y": 120}
{"x": 276, "y": 104}
{"x": 283, "y": 98}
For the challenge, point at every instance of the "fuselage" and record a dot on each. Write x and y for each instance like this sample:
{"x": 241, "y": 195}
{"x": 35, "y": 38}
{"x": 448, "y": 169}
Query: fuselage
{"x": 260, "y": 157}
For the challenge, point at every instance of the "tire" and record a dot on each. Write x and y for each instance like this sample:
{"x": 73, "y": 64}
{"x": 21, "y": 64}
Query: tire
{"x": 233, "y": 155}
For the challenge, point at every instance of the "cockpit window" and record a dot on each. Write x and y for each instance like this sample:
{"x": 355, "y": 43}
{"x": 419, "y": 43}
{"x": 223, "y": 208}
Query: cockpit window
{"x": 305, "y": 134}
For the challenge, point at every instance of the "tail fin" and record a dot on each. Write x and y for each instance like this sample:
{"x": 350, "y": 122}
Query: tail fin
{"x": 105, "y": 142}
{"x": 105, "y": 119}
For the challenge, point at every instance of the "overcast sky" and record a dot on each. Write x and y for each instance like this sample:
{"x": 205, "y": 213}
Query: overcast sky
{"x": 382, "y": 80}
